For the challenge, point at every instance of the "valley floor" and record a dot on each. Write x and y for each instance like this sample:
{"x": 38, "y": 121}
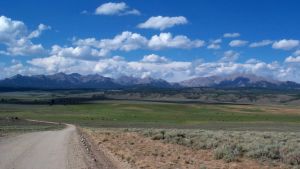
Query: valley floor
{"x": 141, "y": 134}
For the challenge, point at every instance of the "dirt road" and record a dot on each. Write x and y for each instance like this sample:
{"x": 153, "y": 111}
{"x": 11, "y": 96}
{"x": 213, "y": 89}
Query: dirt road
{"x": 44, "y": 150}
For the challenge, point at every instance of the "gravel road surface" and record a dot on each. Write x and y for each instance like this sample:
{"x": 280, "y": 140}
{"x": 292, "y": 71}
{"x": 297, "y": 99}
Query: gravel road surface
{"x": 59, "y": 149}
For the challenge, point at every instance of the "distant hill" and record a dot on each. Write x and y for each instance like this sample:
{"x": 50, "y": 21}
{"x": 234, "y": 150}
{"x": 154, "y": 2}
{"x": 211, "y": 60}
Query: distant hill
{"x": 77, "y": 81}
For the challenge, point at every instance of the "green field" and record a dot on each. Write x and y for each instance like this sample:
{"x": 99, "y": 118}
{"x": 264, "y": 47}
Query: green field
{"x": 13, "y": 125}
{"x": 155, "y": 114}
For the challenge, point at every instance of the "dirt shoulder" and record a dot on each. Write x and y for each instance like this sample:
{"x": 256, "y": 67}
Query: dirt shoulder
{"x": 99, "y": 155}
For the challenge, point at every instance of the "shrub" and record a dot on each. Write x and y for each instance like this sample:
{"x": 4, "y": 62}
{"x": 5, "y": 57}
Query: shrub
{"x": 228, "y": 152}
{"x": 202, "y": 167}
{"x": 291, "y": 155}
{"x": 157, "y": 136}
{"x": 265, "y": 152}
{"x": 293, "y": 158}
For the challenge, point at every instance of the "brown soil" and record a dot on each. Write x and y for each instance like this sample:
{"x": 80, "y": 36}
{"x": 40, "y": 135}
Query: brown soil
{"x": 141, "y": 152}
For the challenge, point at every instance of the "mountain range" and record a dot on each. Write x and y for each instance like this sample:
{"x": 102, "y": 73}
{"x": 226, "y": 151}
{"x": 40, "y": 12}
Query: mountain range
{"x": 95, "y": 81}
{"x": 239, "y": 81}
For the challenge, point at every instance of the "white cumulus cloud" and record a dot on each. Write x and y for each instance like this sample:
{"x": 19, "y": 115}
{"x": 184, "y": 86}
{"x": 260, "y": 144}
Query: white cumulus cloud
{"x": 231, "y": 35}
{"x": 17, "y": 39}
{"x": 166, "y": 40}
{"x": 215, "y": 44}
{"x": 112, "y": 8}
{"x": 78, "y": 51}
{"x": 286, "y": 44}
{"x": 129, "y": 41}
{"x": 238, "y": 43}
{"x": 260, "y": 44}
{"x": 292, "y": 59}
{"x": 230, "y": 56}
{"x": 153, "y": 58}
{"x": 126, "y": 41}
{"x": 163, "y": 22}
{"x": 297, "y": 52}
{"x": 36, "y": 33}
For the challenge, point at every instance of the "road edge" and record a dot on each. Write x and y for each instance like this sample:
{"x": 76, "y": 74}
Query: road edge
{"x": 102, "y": 158}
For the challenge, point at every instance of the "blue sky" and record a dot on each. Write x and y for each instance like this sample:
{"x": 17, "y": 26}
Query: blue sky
{"x": 172, "y": 40}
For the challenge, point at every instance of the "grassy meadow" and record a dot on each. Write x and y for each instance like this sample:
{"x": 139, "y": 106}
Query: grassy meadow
{"x": 155, "y": 114}
{"x": 14, "y": 125}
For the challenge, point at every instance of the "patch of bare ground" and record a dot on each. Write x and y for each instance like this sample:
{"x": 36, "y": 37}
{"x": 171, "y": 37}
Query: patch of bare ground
{"x": 142, "y": 152}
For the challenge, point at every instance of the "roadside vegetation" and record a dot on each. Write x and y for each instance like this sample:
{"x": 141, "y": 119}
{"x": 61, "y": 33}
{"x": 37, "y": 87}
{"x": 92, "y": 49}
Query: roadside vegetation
{"x": 194, "y": 148}
{"x": 232, "y": 145}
